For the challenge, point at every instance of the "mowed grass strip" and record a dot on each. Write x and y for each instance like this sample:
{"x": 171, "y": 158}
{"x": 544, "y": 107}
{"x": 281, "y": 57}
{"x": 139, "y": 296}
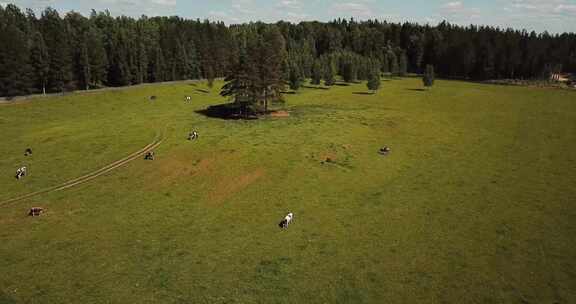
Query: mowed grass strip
{"x": 474, "y": 204}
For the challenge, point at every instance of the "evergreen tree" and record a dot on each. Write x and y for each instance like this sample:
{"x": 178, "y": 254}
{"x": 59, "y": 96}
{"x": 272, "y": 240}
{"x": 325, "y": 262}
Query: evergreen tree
{"x": 97, "y": 56}
{"x": 329, "y": 72}
{"x": 15, "y": 70}
{"x": 86, "y": 71}
{"x": 40, "y": 62}
{"x": 56, "y": 37}
{"x": 76, "y": 52}
{"x": 373, "y": 83}
{"x": 238, "y": 82}
{"x": 348, "y": 70}
{"x": 402, "y": 64}
{"x": 317, "y": 72}
{"x": 428, "y": 77}
{"x": 296, "y": 78}
{"x": 209, "y": 74}
{"x": 273, "y": 55}
{"x": 385, "y": 64}
{"x": 393, "y": 59}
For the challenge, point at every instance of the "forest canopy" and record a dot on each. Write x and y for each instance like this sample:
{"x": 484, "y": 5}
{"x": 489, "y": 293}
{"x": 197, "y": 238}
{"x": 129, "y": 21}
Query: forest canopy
{"x": 56, "y": 53}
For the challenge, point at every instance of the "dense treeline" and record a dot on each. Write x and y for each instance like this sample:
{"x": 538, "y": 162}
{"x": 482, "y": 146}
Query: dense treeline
{"x": 53, "y": 53}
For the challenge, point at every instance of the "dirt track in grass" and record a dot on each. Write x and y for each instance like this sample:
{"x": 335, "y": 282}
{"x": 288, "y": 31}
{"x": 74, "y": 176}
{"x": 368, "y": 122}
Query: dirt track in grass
{"x": 92, "y": 175}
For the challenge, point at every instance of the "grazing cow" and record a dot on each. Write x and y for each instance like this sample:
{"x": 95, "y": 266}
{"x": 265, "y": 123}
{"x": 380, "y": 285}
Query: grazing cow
{"x": 35, "y": 211}
{"x": 28, "y": 152}
{"x": 21, "y": 172}
{"x": 384, "y": 150}
{"x": 149, "y": 156}
{"x": 193, "y": 135}
{"x": 153, "y": 97}
{"x": 188, "y": 98}
{"x": 286, "y": 221}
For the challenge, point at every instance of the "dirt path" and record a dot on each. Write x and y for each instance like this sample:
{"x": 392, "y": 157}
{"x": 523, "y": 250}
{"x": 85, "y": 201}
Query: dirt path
{"x": 90, "y": 176}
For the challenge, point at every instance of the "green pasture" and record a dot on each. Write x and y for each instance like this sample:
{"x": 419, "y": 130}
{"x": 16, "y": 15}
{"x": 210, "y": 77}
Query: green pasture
{"x": 475, "y": 204}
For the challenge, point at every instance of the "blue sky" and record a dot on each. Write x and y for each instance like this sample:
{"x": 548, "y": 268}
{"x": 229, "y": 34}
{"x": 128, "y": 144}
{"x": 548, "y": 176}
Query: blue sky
{"x": 552, "y": 15}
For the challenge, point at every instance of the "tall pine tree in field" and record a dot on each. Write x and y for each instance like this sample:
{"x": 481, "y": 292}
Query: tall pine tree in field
{"x": 296, "y": 78}
{"x": 317, "y": 72}
{"x": 385, "y": 64}
{"x": 393, "y": 60}
{"x": 373, "y": 83}
{"x": 271, "y": 79}
{"x": 329, "y": 71}
{"x": 402, "y": 64}
{"x": 428, "y": 78}
{"x": 238, "y": 83}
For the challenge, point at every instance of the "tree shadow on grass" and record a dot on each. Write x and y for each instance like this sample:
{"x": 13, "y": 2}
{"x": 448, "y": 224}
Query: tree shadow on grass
{"x": 363, "y": 93}
{"x": 227, "y": 111}
{"x": 417, "y": 90}
{"x": 316, "y": 88}
{"x": 288, "y": 92}
{"x": 202, "y": 91}
{"x": 342, "y": 84}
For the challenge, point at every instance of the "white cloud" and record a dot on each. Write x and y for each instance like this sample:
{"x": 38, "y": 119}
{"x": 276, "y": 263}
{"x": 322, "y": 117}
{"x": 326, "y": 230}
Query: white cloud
{"x": 566, "y": 9}
{"x": 290, "y": 4}
{"x": 353, "y": 9}
{"x": 458, "y": 12}
{"x": 453, "y": 5}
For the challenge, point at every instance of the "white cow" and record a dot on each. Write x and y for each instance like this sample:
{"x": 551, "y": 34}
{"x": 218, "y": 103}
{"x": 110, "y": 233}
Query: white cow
{"x": 286, "y": 221}
{"x": 188, "y": 98}
{"x": 21, "y": 172}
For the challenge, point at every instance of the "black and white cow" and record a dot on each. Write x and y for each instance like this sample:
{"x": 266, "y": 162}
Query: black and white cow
{"x": 35, "y": 211}
{"x": 28, "y": 152}
{"x": 149, "y": 156}
{"x": 21, "y": 172}
{"x": 193, "y": 135}
{"x": 384, "y": 150}
{"x": 286, "y": 221}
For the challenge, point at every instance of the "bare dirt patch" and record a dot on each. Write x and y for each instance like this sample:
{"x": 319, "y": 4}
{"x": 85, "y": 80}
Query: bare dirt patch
{"x": 280, "y": 114}
{"x": 184, "y": 165}
{"x": 232, "y": 185}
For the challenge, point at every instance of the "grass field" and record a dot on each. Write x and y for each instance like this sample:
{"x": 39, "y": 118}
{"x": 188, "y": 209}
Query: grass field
{"x": 475, "y": 204}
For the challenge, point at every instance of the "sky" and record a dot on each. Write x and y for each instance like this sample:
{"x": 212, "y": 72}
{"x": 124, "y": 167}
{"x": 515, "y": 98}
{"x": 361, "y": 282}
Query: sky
{"x": 554, "y": 16}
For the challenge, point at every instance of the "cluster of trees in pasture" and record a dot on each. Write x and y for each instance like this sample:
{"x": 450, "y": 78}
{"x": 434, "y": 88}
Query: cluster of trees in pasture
{"x": 56, "y": 53}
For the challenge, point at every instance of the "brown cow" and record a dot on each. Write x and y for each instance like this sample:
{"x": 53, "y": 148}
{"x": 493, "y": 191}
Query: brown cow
{"x": 35, "y": 211}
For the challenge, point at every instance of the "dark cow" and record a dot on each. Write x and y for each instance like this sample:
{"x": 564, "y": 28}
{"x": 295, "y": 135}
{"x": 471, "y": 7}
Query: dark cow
{"x": 28, "y": 152}
{"x": 149, "y": 156}
{"x": 35, "y": 211}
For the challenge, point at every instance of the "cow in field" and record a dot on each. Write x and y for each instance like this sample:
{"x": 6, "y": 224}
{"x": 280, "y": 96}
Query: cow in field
{"x": 188, "y": 98}
{"x": 193, "y": 135}
{"x": 21, "y": 172}
{"x": 149, "y": 156}
{"x": 35, "y": 211}
{"x": 28, "y": 152}
{"x": 286, "y": 221}
{"x": 384, "y": 150}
